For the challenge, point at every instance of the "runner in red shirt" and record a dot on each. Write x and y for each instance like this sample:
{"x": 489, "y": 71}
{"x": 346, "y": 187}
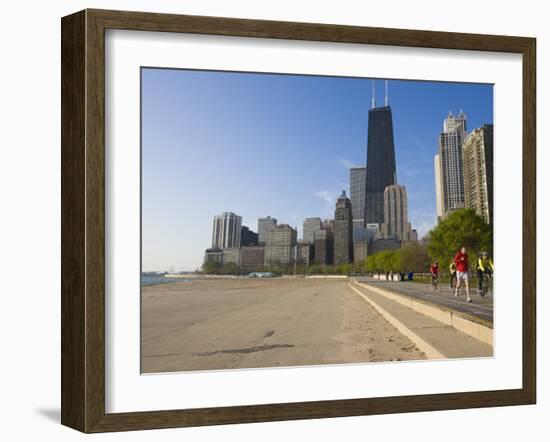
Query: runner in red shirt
{"x": 461, "y": 263}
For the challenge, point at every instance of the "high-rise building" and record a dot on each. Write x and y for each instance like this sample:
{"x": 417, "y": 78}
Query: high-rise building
{"x": 357, "y": 188}
{"x": 372, "y": 231}
{"x": 360, "y": 231}
{"x": 438, "y": 189}
{"x": 478, "y": 171}
{"x": 231, "y": 256}
{"x": 279, "y": 245}
{"x": 328, "y": 224}
{"x": 357, "y": 184}
{"x": 323, "y": 247}
{"x": 311, "y": 225}
{"x": 248, "y": 237}
{"x": 343, "y": 231}
{"x": 226, "y": 232}
{"x": 304, "y": 253}
{"x": 360, "y": 251}
{"x": 396, "y": 219}
{"x": 381, "y": 244}
{"x": 252, "y": 258}
{"x": 264, "y": 224}
{"x": 449, "y": 164}
{"x": 380, "y": 162}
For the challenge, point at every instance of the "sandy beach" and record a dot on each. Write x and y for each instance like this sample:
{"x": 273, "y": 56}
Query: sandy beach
{"x": 213, "y": 324}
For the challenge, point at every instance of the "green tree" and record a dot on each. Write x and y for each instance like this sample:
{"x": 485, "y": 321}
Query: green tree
{"x": 372, "y": 266}
{"x": 461, "y": 228}
{"x": 230, "y": 268}
{"x": 415, "y": 257}
{"x": 315, "y": 269}
{"x": 384, "y": 260}
{"x": 396, "y": 261}
{"x": 346, "y": 268}
{"x": 211, "y": 268}
{"x": 358, "y": 267}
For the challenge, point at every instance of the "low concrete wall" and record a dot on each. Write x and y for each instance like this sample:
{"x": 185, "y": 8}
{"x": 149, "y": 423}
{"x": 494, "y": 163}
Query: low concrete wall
{"x": 467, "y": 324}
{"x": 382, "y": 277}
{"x": 429, "y": 350}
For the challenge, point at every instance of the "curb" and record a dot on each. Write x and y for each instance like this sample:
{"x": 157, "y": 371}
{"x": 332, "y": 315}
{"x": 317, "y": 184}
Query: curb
{"x": 467, "y": 324}
{"x": 429, "y": 350}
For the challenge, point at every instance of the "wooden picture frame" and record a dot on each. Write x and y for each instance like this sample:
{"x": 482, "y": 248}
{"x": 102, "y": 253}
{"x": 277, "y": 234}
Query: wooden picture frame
{"x": 83, "y": 219}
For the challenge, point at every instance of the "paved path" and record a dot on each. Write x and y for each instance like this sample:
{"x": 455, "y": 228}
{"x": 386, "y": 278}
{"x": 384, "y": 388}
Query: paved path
{"x": 436, "y": 339}
{"x": 245, "y": 323}
{"x": 480, "y": 307}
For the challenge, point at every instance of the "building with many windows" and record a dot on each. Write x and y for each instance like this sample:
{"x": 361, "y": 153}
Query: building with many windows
{"x": 360, "y": 251}
{"x": 252, "y": 258}
{"x": 226, "y": 231}
{"x": 372, "y": 231}
{"x": 357, "y": 187}
{"x": 380, "y": 162}
{"x": 323, "y": 247}
{"x": 213, "y": 256}
{"x": 449, "y": 177}
{"x": 478, "y": 171}
{"x": 264, "y": 224}
{"x": 231, "y": 256}
{"x": 396, "y": 218}
{"x": 343, "y": 231}
{"x": 248, "y": 237}
{"x": 310, "y": 226}
{"x": 279, "y": 245}
{"x": 304, "y": 253}
{"x": 381, "y": 244}
{"x": 328, "y": 224}
{"x": 438, "y": 189}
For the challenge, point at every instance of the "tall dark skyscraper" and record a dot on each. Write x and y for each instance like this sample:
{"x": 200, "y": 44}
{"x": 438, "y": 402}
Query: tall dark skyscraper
{"x": 248, "y": 237}
{"x": 380, "y": 162}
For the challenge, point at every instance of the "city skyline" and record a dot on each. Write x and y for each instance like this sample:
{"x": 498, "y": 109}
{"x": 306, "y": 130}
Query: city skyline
{"x": 292, "y": 185}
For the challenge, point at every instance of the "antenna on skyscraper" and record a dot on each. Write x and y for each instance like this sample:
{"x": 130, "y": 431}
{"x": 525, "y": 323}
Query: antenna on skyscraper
{"x": 386, "y": 100}
{"x": 373, "y": 98}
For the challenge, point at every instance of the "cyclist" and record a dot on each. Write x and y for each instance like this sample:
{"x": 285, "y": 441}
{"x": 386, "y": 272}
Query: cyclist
{"x": 452, "y": 274}
{"x": 484, "y": 267}
{"x": 461, "y": 263}
{"x": 434, "y": 271}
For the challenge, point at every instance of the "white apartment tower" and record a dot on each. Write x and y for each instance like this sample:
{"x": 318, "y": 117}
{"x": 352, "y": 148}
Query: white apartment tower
{"x": 448, "y": 166}
{"x": 226, "y": 231}
{"x": 438, "y": 189}
{"x": 478, "y": 171}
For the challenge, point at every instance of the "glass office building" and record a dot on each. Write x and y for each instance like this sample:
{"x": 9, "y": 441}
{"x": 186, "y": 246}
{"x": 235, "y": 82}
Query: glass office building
{"x": 380, "y": 162}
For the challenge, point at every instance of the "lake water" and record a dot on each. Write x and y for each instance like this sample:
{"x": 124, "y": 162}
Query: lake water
{"x": 159, "y": 279}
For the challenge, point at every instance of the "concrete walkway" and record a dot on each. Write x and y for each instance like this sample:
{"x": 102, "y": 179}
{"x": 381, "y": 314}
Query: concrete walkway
{"x": 480, "y": 307}
{"x": 435, "y": 339}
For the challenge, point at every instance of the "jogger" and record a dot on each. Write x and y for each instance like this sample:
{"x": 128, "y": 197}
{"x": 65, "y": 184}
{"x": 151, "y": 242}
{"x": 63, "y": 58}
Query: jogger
{"x": 461, "y": 263}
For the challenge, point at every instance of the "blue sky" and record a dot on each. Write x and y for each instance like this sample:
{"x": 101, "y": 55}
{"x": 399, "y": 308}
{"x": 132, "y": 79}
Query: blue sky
{"x": 279, "y": 145}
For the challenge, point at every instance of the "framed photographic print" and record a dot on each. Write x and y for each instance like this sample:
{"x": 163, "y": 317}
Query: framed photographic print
{"x": 271, "y": 220}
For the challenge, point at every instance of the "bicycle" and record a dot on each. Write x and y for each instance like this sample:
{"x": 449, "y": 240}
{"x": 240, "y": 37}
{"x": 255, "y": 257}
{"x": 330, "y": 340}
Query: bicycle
{"x": 487, "y": 284}
{"x": 435, "y": 283}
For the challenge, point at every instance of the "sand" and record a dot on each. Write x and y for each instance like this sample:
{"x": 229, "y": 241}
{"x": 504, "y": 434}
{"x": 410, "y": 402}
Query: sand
{"x": 216, "y": 324}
